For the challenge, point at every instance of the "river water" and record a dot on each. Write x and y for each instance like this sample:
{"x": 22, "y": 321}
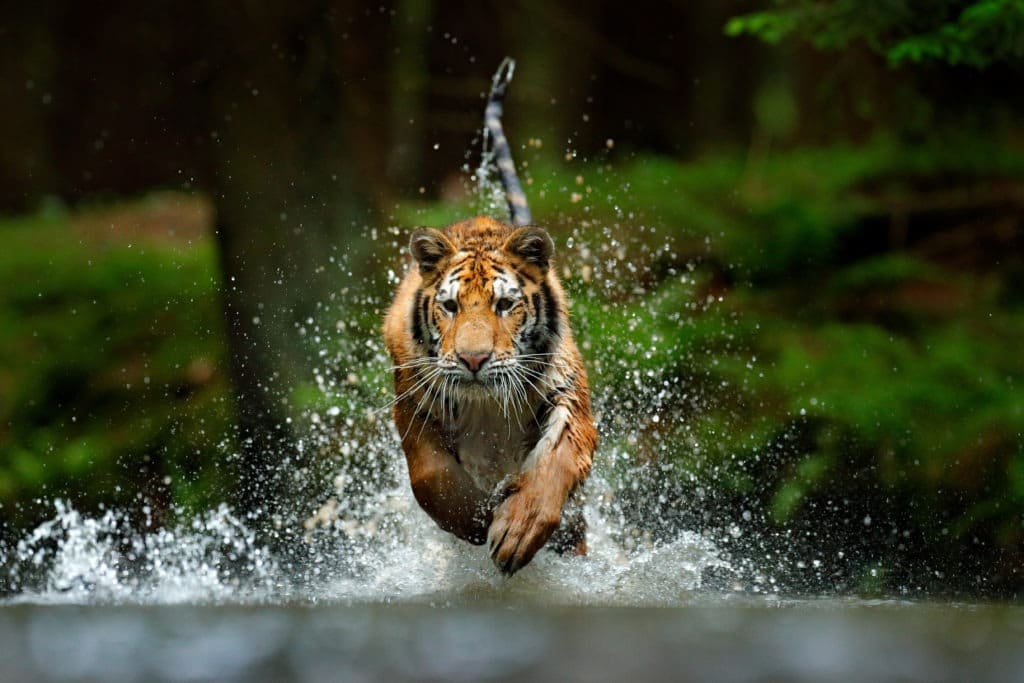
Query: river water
{"x": 713, "y": 639}
{"x": 379, "y": 593}
{"x": 400, "y": 600}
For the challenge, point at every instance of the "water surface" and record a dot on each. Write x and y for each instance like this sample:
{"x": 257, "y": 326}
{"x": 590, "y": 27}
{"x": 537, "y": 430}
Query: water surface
{"x": 713, "y": 639}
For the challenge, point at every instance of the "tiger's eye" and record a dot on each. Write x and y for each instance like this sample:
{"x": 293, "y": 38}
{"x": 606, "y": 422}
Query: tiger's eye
{"x": 503, "y": 305}
{"x": 450, "y": 305}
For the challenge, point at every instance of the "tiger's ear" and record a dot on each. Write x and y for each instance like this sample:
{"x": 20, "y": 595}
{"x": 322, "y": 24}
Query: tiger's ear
{"x": 533, "y": 245}
{"x": 429, "y": 247}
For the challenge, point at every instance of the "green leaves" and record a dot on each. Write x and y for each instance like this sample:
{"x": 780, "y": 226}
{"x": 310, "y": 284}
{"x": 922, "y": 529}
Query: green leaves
{"x": 978, "y": 34}
{"x": 985, "y": 33}
{"x": 110, "y": 353}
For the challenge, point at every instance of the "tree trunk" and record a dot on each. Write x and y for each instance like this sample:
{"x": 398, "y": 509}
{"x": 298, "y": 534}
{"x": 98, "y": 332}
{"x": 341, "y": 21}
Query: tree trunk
{"x": 287, "y": 196}
{"x": 410, "y": 75}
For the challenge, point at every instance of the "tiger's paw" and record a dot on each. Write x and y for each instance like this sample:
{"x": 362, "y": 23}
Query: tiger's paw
{"x": 521, "y": 525}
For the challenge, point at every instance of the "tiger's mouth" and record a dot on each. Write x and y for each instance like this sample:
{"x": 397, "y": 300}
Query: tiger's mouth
{"x": 493, "y": 375}
{"x": 505, "y": 383}
{"x": 463, "y": 377}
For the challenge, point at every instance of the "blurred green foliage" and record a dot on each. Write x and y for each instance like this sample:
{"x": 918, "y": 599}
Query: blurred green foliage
{"x": 817, "y": 347}
{"x": 857, "y": 366}
{"x": 977, "y": 33}
{"x": 822, "y": 347}
{"x": 112, "y": 386}
{"x": 809, "y": 334}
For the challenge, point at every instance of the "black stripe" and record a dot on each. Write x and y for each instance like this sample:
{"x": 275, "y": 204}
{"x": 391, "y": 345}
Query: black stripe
{"x": 428, "y": 320}
{"x": 518, "y": 210}
{"x": 541, "y": 342}
{"x": 418, "y": 325}
{"x": 530, "y": 333}
{"x": 551, "y": 309}
{"x": 535, "y": 300}
{"x": 543, "y": 413}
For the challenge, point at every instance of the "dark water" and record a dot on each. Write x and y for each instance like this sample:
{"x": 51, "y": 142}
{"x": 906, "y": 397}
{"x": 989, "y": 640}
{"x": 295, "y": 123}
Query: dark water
{"x": 722, "y": 640}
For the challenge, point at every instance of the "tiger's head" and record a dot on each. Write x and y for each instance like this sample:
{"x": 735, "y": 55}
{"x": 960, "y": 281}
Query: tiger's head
{"x": 486, "y": 311}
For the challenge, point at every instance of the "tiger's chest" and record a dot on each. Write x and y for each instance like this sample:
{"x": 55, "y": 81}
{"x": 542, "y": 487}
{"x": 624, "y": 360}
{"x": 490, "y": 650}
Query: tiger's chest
{"x": 491, "y": 445}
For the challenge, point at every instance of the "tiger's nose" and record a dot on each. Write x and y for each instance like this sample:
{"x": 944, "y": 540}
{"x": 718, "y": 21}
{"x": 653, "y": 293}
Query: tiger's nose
{"x": 473, "y": 361}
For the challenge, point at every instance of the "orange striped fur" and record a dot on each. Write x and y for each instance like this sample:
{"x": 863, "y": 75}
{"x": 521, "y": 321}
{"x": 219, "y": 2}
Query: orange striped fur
{"x": 492, "y": 403}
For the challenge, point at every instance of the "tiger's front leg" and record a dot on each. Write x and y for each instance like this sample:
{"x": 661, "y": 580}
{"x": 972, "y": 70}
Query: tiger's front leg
{"x": 531, "y": 513}
{"x": 441, "y": 486}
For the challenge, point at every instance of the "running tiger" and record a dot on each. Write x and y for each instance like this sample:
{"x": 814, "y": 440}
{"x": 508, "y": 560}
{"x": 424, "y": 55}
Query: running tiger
{"x": 492, "y": 403}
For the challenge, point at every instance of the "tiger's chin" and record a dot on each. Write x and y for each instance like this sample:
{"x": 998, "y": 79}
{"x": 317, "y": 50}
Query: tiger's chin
{"x": 478, "y": 388}
{"x": 495, "y": 390}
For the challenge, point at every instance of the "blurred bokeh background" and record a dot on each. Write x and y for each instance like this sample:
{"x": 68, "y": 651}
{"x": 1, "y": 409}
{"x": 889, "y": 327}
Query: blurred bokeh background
{"x": 792, "y": 230}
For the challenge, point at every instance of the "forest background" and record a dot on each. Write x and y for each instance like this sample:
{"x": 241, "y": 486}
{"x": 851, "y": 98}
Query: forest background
{"x": 804, "y": 218}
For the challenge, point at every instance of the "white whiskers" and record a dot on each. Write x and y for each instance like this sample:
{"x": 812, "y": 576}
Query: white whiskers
{"x": 515, "y": 387}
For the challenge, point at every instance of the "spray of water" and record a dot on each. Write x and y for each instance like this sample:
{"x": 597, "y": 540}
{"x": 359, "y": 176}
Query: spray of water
{"x": 380, "y": 548}
{"x": 366, "y": 539}
{"x": 74, "y": 558}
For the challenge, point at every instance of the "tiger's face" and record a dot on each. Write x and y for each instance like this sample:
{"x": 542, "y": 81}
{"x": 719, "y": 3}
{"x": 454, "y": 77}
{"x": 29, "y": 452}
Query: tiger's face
{"x": 485, "y": 312}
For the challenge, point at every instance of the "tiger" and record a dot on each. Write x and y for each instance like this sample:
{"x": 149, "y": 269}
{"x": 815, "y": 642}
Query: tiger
{"x": 492, "y": 403}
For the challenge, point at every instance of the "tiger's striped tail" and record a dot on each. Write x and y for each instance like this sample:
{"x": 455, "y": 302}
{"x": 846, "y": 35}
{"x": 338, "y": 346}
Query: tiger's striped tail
{"x": 496, "y": 142}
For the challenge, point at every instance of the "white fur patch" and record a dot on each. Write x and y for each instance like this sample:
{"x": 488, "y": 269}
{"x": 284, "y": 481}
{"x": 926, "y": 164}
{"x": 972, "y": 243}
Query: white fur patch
{"x": 506, "y": 287}
{"x": 553, "y": 429}
{"x": 449, "y": 289}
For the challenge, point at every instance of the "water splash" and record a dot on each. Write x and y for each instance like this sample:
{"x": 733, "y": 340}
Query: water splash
{"x": 366, "y": 539}
{"x": 407, "y": 558}
{"x": 74, "y": 558}
{"x": 376, "y": 547}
